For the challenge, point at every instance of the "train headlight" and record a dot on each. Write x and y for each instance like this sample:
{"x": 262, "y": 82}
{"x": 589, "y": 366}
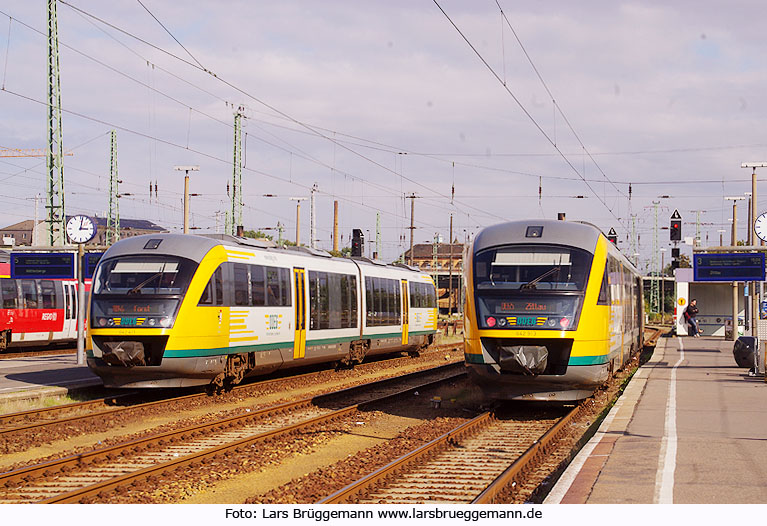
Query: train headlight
{"x": 564, "y": 322}
{"x": 502, "y": 322}
{"x": 490, "y": 321}
{"x": 111, "y": 322}
{"x": 152, "y": 322}
{"x": 552, "y": 322}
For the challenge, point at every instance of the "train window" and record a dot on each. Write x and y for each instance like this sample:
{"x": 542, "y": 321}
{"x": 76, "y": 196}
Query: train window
{"x": 415, "y": 296}
{"x": 213, "y": 293}
{"x": 48, "y": 294}
{"x": 218, "y": 282}
{"x": 352, "y": 301}
{"x": 277, "y": 291}
{"x": 372, "y": 301}
{"x": 29, "y": 293}
{"x": 285, "y": 280}
{"x": 604, "y": 291}
{"x": 396, "y": 317}
{"x": 257, "y": 286}
{"x": 207, "y": 294}
{"x": 144, "y": 275}
{"x": 430, "y": 294}
{"x": 241, "y": 284}
{"x": 9, "y": 293}
{"x": 540, "y": 267}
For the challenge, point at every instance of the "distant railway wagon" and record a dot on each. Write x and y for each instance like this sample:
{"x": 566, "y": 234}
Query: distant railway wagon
{"x": 172, "y": 310}
{"x": 36, "y": 311}
{"x": 552, "y": 310}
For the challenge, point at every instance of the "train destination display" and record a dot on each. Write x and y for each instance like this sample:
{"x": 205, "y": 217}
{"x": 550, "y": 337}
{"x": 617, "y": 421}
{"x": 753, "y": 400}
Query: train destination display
{"x": 729, "y": 267}
{"x": 42, "y": 265}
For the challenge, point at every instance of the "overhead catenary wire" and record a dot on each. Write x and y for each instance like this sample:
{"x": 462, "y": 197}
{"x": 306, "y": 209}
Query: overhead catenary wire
{"x": 85, "y": 15}
{"x": 272, "y": 108}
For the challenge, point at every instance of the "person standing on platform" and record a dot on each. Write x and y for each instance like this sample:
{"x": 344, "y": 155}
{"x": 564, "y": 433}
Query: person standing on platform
{"x": 689, "y": 316}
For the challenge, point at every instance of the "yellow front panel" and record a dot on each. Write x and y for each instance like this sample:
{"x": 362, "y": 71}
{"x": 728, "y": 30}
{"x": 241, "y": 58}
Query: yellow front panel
{"x": 201, "y": 327}
{"x": 591, "y": 338}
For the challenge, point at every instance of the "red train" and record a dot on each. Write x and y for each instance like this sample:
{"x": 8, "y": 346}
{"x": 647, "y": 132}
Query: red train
{"x": 36, "y": 311}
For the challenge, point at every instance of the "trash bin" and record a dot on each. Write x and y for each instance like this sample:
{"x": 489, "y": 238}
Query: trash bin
{"x": 743, "y": 351}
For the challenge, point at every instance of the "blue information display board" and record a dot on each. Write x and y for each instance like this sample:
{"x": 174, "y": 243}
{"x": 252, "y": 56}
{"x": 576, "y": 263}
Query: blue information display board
{"x": 42, "y": 265}
{"x": 89, "y": 265}
{"x": 728, "y": 267}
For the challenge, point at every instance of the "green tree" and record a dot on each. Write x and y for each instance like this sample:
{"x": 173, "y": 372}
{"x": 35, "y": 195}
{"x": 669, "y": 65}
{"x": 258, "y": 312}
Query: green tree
{"x": 257, "y": 234}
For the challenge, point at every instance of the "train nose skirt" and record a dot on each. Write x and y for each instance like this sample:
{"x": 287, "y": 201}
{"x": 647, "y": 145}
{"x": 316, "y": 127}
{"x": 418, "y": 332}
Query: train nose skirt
{"x": 124, "y": 353}
{"x": 530, "y": 360}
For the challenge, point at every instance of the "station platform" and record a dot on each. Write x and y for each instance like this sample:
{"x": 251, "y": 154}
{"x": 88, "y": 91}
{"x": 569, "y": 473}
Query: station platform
{"x": 691, "y": 427}
{"x": 31, "y": 377}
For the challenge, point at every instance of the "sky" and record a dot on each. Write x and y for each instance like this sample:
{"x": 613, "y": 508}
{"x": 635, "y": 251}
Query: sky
{"x": 610, "y": 112}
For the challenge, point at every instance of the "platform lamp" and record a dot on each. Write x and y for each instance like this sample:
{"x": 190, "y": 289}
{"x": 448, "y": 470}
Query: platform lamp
{"x": 186, "y": 169}
{"x": 734, "y": 242}
{"x": 751, "y": 221}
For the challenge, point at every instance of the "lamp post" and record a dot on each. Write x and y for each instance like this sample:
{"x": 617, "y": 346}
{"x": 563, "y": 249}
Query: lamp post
{"x": 186, "y": 169}
{"x": 298, "y": 218}
{"x": 734, "y": 242}
{"x": 751, "y": 220}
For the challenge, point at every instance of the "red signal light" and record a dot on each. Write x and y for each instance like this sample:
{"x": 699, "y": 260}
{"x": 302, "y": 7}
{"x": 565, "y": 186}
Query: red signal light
{"x": 490, "y": 321}
{"x": 564, "y": 322}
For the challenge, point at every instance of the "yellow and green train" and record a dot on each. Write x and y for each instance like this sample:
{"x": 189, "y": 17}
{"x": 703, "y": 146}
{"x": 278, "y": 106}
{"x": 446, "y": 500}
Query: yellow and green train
{"x": 552, "y": 310}
{"x": 173, "y": 310}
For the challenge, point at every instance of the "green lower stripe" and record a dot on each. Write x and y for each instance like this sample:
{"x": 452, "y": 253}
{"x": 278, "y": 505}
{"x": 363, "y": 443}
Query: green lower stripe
{"x": 574, "y": 360}
{"x": 589, "y": 360}
{"x": 189, "y": 353}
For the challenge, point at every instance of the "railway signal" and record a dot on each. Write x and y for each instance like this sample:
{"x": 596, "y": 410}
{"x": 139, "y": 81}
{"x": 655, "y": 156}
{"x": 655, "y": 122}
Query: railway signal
{"x": 612, "y": 235}
{"x": 675, "y": 231}
{"x": 358, "y": 242}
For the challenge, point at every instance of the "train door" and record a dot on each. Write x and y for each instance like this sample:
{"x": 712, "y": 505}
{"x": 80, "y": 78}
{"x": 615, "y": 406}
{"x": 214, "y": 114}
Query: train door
{"x": 70, "y": 313}
{"x": 405, "y": 312}
{"x": 299, "y": 339}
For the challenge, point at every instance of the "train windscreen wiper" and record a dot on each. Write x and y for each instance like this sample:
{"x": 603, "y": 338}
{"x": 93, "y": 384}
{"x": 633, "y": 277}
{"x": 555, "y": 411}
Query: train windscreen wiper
{"x": 530, "y": 285}
{"x": 138, "y": 287}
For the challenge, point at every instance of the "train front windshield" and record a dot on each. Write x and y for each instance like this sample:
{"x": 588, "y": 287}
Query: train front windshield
{"x": 530, "y": 287}
{"x": 139, "y": 291}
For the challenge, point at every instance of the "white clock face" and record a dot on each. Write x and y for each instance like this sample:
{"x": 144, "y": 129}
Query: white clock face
{"x": 760, "y": 227}
{"x": 80, "y": 229}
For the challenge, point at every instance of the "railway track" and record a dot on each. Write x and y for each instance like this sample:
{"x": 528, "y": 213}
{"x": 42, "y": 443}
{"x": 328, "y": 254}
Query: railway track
{"x": 9, "y": 354}
{"x": 473, "y": 463}
{"x": 36, "y": 420}
{"x": 94, "y": 474}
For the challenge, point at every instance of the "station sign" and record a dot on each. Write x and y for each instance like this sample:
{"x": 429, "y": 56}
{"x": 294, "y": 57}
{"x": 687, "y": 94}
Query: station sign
{"x": 49, "y": 265}
{"x": 91, "y": 259}
{"x": 729, "y": 267}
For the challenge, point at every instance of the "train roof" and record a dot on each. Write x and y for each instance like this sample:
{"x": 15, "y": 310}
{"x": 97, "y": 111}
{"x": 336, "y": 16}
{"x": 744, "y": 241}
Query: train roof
{"x": 195, "y": 247}
{"x": 539, "y": 231}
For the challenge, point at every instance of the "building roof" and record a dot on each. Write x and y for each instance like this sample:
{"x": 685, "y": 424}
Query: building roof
{"x": 426, "y": 250}
{"x": 133, "y": 224}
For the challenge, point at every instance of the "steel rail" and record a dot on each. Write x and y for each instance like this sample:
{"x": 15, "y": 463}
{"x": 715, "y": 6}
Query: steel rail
{"x": 512, "y": 476}
{"x": 11, "y": 418}
{"x": 364, "y": 485}
{"x": 69, "y": 463}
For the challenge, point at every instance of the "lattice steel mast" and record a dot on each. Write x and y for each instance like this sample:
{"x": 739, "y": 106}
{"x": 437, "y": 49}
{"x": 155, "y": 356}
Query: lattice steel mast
{"x": 55, "y": 157}
{"x": 237, "y": 174}
{"x": 113, "y": 219}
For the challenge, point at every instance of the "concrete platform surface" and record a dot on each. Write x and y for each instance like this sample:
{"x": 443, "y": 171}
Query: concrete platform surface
{"x": 691, "y": 428}
{"x": 36, "y": 376}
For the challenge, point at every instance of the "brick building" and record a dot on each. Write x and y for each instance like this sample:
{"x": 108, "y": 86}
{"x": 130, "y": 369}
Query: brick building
{"x": 20, "y": 234}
